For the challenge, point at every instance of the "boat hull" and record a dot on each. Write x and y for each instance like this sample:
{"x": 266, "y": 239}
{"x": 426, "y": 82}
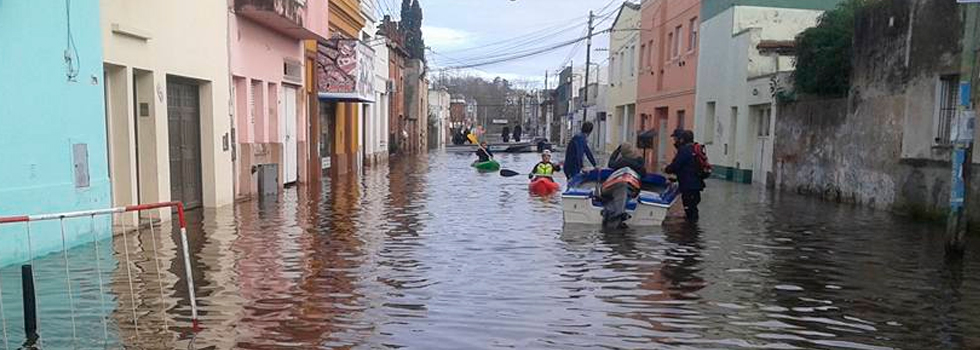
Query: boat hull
{"x": 649, "y": 208}
{"x": 543, "y": 186}
{"x": 487, "y": 166}
{"x": 582, "y": 209}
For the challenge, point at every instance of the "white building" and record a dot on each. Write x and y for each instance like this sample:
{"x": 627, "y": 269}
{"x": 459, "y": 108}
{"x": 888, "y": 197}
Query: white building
{"x": 439, "y": 102}
{"x": 374, "y": 138}
{"x": 623, "y": 68}
{"x": 743, "y": 51}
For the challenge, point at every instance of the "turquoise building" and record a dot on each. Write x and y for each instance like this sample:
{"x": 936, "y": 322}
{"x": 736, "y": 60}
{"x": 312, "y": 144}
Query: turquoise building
{"x": 53, "y": 155}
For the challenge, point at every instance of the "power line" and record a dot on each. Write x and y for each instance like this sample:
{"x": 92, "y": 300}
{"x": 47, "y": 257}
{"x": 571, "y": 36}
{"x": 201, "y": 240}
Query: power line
{"x": 523, "y": 55}
{"x": 547, "y": 30}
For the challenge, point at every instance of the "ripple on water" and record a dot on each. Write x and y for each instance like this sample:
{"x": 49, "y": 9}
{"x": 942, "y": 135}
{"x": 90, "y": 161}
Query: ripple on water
{"x": 424, "y": 253}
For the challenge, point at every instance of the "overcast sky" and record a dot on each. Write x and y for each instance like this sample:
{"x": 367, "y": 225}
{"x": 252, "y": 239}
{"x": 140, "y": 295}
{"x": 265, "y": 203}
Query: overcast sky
{"x": 458, "y": 31}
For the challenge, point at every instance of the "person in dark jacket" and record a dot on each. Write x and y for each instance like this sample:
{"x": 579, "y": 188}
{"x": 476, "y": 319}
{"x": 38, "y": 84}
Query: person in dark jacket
{"x": 483, "y": 153}
{"x": 685, "y": 166}
{"x": 625, "y": 156}
{"x": 517, "y": 133}
{"x": 577, "y": 148}
{"x": 505, "y": 134}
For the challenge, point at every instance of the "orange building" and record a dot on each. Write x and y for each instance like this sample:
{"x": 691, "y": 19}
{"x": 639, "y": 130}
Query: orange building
{"x": 667, "y": 72}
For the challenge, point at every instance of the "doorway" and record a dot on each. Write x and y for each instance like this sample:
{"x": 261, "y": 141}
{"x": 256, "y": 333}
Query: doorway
{"x": 184, "y": 121}
{"x": 289, "y": 116}
{"x": 663, "y": 134}
{"x": 763, "y": 119}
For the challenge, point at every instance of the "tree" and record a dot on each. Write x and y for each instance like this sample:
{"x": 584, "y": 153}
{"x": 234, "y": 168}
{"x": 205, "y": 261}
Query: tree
{"x": 823, "y": 61}
{"x": 417, "y": 46}
{"x": 411, "y": 28}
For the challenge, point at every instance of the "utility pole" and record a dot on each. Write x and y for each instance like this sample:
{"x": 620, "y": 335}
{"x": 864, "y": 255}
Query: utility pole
{"x": 962, "y": 136}
{"x": 588, "y": 68}
{"x": 547, "y": 123}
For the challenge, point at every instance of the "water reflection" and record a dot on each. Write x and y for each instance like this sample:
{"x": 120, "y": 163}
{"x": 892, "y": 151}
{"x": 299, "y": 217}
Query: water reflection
{"x": 428, "y": 254}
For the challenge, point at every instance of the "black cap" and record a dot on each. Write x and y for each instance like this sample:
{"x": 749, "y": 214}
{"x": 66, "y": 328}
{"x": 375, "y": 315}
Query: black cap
{"x": 678, "y": 133}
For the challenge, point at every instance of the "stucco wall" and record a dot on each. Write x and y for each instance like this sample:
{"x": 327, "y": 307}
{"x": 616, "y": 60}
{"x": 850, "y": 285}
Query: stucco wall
{"x": 376, "y": 143}
{"x": 43, "y": 116}
{"x": 622, "y": 84}
{"x": 164, "y": 39}
{"x": 667, "y": 77}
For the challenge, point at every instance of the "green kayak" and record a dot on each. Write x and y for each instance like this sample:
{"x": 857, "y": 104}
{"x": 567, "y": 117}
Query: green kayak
{"x": 490, "y": 165}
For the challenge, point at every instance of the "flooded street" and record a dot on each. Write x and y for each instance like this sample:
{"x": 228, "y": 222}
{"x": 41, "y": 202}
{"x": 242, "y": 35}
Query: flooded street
{"x": 429, "y": 254}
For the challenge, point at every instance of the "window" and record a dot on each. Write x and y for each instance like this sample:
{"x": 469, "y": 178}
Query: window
{"x": 622, "y": 66}
{"x": 677, "y": 41}
{"x": 732, "y": 133}
{"x": 633, "y": 60}
{"x": 948, "y": 96}
{"x": 650, "y": 55}
{"x": 692, "y": 41}
{"x": 612, "y": 70}
{"x": 643, "y": 54}
{"x": 669, "y": 49}
{"x": 708, "y": 133}
{"x": 680, "y": 119}
{"x": 764, "y": 119}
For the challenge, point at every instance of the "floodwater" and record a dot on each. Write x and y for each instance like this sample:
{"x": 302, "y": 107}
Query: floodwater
{"x": 428, "y": 254}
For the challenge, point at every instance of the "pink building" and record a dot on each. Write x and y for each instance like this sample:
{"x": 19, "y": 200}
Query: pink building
{"x": 269, "y": 87}
{"x": 667, "y": 73}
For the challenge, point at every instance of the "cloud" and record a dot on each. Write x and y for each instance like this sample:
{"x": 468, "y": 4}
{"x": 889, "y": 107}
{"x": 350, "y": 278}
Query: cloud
{"x": 443, "y": 38}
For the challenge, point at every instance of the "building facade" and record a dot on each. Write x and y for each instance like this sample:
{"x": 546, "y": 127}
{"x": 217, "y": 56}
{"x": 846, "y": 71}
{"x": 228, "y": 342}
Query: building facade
{"x": 271, "y": 110}
{"x": 623, "y": 74}
{"x": 439, "y": 117}
{"x": 397, "y": 58}
{"x": 342, "y": 87}
{"x": 416, "y": 106}
{"x": 668, "y": 64}
{"x": 167, "y": 101}
{"x": 377, "y": 115}
{"x": 54, "y": 127}
{"x": 740, "y": 58}
{"x": 888, "y": 143}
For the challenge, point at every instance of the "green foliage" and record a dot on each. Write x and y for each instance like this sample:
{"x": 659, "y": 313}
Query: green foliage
{"x": 823, "y": 61}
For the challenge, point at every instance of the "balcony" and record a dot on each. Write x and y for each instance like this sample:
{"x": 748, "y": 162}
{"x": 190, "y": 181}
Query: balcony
{"x": 284, "y": 16}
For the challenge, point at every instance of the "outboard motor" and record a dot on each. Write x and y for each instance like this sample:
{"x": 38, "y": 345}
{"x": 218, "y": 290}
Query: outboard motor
{"x": 622, "y": 185}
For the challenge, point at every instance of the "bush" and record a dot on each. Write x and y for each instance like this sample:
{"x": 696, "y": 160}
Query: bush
{"x": 823, "y": 53}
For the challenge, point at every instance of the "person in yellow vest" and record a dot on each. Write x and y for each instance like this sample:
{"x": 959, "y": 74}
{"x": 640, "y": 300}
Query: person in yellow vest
{"x": 545, "y": 167}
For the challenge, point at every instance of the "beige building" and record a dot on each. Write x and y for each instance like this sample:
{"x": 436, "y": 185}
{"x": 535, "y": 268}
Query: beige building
{"x": 623, "y": 74}
{"x": 167, "y": 101}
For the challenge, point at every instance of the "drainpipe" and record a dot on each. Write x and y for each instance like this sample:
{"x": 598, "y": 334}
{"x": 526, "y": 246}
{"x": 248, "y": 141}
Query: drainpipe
{"x": 962, "y": 137}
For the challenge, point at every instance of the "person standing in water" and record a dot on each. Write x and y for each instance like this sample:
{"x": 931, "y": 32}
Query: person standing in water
{"x": 577, "y": 149}
{"x": 688, "y": 171}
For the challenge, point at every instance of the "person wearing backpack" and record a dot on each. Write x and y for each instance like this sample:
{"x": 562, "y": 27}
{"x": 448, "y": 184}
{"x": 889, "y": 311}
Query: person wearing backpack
{"x": 688, "y": 169}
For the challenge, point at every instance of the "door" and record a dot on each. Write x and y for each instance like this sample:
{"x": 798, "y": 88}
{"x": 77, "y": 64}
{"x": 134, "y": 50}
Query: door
{"x": 289, "y": 161}
{"x": 663, "y": 135}
{"x": 763, "y": 120}
{"x": 184, "y": 121}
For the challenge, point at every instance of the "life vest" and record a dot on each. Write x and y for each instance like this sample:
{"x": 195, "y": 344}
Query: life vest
{"x": 623, "y": 176}
{"x": 546, "y": 169}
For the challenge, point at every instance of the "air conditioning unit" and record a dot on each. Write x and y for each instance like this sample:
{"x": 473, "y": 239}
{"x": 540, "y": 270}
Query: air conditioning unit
{"x": 292, "y": 71}
{"x": 391, "y": 87}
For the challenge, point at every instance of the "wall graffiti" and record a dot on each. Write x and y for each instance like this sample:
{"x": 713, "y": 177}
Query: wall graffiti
{"x": 345, "y": 69}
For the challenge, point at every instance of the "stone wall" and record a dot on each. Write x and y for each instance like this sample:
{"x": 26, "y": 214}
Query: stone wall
{"x": 877, "y": 147}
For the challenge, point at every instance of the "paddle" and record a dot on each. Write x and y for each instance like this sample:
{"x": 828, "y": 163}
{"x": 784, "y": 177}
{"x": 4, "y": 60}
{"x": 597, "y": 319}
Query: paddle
{"x": 508, "y": 173}
{"x": 511, "y": 173}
